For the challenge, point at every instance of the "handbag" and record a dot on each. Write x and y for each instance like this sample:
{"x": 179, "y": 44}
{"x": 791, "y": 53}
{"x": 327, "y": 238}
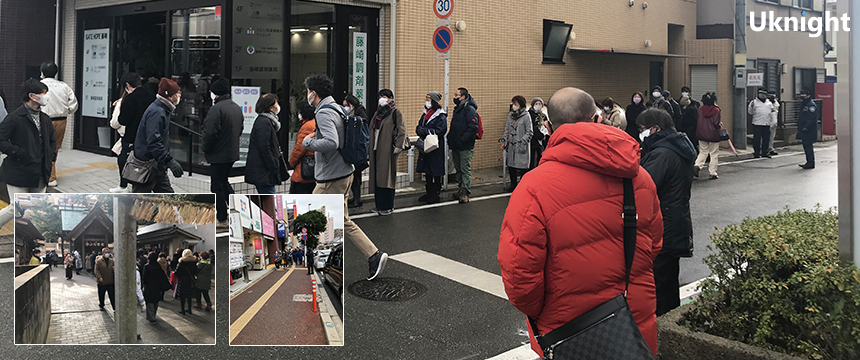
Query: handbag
{"x": 165, "y": 283}
{"x": 308, "y": 166}
{"x": 138, "y": 171}
{"x": 192, "y": 276}
{"x": 609, "y": 330}
{"x": 431, "y": 143}
{"x": 724, "y": 135}
{"x": 283, "y": 168}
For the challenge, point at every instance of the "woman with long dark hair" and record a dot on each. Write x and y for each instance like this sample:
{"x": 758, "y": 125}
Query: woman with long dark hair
{"x": 433, "y": 121}
{"x": 387, "y": 136}
{"x": 636, "y": 107}
{"x": 264, "y": 154}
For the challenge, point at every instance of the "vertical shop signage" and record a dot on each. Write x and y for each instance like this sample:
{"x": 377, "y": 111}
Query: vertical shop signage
{"x": 279, "y": 207}
{"x": 258, "y": 39}
{"x": 268, "y": 225}
{"x": 246, "y": 97}
{"x": 359, "y": 65}
{"x": 258, "y": 246}
{"x": 244, "y": 207}
{"x": 96, "y": 74}
{"x": 236, "y": 226}
{"x": 256, "y": 219}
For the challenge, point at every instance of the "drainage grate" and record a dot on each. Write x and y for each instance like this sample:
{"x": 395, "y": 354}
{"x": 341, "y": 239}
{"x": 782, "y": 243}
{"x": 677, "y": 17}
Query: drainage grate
{"x": 387, "y": 289}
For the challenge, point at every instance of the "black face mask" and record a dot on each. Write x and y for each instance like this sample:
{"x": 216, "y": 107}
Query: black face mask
{"x": 456, "y": 101}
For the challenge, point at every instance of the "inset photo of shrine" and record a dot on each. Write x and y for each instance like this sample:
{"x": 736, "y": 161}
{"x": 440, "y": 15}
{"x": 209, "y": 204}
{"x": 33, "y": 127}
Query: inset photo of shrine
{"x": 286, "y": 269}
{"x": 114, "y": 269}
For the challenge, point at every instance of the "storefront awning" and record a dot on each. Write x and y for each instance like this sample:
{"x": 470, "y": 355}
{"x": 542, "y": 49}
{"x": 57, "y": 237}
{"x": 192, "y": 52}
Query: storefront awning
{"x": 613, "y": 51}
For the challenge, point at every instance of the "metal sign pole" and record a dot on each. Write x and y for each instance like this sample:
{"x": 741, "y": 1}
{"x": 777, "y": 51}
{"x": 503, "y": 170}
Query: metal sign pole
{"x": 847, "y": 132}
{"x": 445, "y": 178}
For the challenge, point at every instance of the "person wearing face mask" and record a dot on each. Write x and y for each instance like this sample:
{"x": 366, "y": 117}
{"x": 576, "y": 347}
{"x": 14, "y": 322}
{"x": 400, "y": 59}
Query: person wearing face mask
{"x": 517, "y": 140}
{"x": 760, "y": 109}
{"x": 354, "y": 107}
{"x": 434, "y": 120}
{"x": 104, "y": 270}
{"x": 539, "y": 131}
{"x": 636, "y": 107}
{"x": 62, "y": 105}
{"x": 676, "y": 107}
{"x": 689, "y": 120}
{"x": 264, "y": 154}
{"x": 387, "y": 137}
{"x": 613, "y": 115}
{"x": 222, "y": 129}
{"x": 807, "y": 127}
{"x": 128, "y": 84}
{"x": 153, "y": 139}
{"x": 298, "y": 183}
{"x": 668, "y": 155}
{"x": 27, "y": 138}
{"x": 134, "y": 104}
{"x": 461, "y": 140}
{"x": 708, "y": 133}
{"x": 659, "y": 102}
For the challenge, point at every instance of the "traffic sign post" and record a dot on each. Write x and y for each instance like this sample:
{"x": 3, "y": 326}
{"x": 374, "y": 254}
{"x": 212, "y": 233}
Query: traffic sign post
{"x": 443, "y": 38}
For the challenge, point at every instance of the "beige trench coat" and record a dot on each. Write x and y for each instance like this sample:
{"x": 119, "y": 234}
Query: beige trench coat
{"x": 383, "y": 160}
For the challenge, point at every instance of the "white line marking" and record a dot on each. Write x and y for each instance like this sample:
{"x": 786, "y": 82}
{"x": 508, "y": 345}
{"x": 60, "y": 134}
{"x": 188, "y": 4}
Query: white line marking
{"x": 523, "y": 352}
{"x": 453, "y": 270}
{"x": 430, "y": 206}
{"x": 727, "y": 163}
{"x": 690, "y": 290}
{"x": 5, "y": 260}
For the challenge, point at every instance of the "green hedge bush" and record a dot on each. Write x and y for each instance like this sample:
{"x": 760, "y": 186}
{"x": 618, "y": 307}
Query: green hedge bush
{"x": 778, "y": 284}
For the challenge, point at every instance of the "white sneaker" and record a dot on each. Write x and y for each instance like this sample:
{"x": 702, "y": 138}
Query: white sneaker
{"x": 53, "y": 183}
{"x": 118, "y": 189}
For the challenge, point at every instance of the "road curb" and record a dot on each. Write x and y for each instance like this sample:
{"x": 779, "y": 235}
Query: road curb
{"x": 331, "y": 322}
{"x": 248, "y": 285}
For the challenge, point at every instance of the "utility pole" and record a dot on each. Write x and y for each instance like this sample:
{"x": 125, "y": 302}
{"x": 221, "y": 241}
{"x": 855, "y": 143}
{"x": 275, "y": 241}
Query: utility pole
{"x": 125, "y": 283}
{"x": 739, "y": 114}
{"x": 848, "y": 153}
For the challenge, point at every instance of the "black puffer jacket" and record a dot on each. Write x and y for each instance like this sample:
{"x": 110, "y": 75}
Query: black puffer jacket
{"x": 464, "y": 125}
{"x": 668, "y": 157}
{"x": 264, "y": 153}
{"x": 30, "y": 152}
{"x": 221, "y": 131}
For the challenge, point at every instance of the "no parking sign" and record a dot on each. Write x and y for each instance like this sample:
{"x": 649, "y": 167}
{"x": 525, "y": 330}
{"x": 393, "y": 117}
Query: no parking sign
{"x": 443, "y": 39}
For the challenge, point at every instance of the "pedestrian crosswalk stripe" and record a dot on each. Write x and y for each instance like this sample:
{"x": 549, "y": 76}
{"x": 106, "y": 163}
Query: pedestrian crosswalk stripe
{"x": 237, "y": 326}
{"x": 453, "y": 270}
{"x": 523, "y": 352}
{"x": 430, "y": 206}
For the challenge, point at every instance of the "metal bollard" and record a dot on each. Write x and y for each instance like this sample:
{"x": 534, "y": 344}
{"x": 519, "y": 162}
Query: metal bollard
{"x": 504, "y": 170}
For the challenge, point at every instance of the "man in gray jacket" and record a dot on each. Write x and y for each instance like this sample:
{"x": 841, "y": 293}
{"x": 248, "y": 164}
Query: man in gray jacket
{"x": 332, "y": 172}
{"x": 221, "y": 131}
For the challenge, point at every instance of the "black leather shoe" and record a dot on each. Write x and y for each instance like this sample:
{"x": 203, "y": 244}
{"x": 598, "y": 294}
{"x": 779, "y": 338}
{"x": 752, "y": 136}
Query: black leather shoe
{"x": 807, "y": 166}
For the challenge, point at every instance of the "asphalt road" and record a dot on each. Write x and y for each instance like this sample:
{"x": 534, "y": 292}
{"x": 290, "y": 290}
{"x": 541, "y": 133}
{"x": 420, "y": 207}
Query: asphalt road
{"x": 453, "y": 320}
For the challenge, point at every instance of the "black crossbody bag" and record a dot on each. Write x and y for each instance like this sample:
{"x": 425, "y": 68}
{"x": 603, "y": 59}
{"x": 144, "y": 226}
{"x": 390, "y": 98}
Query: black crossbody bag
{"x": 609, "y": 330}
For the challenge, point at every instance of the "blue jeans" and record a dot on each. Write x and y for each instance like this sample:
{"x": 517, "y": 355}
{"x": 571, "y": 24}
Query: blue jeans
{"x": 265, "y": 189}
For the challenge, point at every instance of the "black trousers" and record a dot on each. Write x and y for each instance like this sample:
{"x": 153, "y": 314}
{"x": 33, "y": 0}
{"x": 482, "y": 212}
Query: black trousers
{"x": 433, "y": 186}
{"x": 666, "y": 271}
{"x": 356, "y": 185}
{"x": 302, "y": 188}
{"x": 807, "y": 141}
{"x": 761, "y": 140}
{"x": 384, "y": 198}
{"x": 109, "y": 289}
{"x": 218, "y": 173}
{"x": 120, "y": 161}
{"x": 159, "y": 184}
{"x": 205, "y": 295}
{"x": 515, "y": 174}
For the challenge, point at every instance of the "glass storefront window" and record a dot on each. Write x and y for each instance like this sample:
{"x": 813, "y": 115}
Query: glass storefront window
{"x": 195, "y": 58}
{"x": 311, "y": 49}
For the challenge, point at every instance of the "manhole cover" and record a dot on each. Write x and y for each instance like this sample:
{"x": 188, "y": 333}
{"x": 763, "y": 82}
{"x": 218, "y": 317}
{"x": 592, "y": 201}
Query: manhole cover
{"x": 387, "y": 289}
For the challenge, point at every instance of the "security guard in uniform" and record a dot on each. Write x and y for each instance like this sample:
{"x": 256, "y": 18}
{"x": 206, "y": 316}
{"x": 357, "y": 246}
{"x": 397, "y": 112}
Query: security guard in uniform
{"x": 807, "y": 127}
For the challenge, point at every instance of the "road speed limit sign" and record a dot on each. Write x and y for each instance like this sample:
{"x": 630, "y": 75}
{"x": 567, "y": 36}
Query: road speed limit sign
{"x": 443, "y": 8}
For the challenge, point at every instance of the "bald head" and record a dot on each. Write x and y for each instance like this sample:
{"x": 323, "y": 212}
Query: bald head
{"x": 570, "y": 105}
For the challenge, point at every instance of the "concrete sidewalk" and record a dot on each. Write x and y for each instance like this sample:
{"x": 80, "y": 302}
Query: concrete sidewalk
{"x": 76, "y": 319}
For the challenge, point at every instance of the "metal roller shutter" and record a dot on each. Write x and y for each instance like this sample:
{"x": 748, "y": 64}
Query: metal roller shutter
{"x": 703, "y": 79}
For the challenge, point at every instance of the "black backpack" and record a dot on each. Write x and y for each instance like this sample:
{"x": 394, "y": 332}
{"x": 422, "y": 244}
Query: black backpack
{"x": 356, "y": 139}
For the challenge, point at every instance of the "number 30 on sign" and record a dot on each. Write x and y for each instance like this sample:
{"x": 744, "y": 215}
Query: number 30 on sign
{"x": 443, "y": 8}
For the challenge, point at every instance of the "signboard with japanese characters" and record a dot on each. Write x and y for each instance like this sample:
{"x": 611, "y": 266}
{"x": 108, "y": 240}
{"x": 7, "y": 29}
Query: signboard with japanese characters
{"x": 359, "y": 65}
{"x": 256, "y": 219}
{"x": 96, "y": 75}
{"x": 258, "y": 39}
{"x": 244, "y": 207}
{"x": 755, "y": 79}
{"x": 246, "y": 97}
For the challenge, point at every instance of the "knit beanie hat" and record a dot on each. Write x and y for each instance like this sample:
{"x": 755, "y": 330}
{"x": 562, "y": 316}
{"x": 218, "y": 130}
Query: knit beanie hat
{"x": 435, "y": 96}
{"x": 167, "y": 87}
{"x": 220, "y": 87}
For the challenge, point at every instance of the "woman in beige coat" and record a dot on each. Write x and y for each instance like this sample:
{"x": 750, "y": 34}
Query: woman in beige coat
{"x": 387, "y": 136}
{"x": 613, "y": 114}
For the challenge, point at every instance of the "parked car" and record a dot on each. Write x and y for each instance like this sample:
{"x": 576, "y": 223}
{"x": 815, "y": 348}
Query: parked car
{"x": 333, "y": 269}
{"x": 320, "y": 258}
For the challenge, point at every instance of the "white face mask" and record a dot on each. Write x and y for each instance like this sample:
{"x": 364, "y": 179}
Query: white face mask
{"x": 606, "y": 108}
{"x": 656, "y": 94}
{"x": 637, "y": 100}
{"x": 310, "y": 98}
{"x": 685, "y": 94}
{"x": 383, "y": 101}
{"x": 644, "y": 134}
{"x": 515, "y": 107}
{"x": 427, "y": 104}
{"x": 300, "y": 117}
{"x": 277, "y": 110}
{"x": 538, "y": 107}
{"x": 213, "y": 97}
{"x": 42, "y": 99}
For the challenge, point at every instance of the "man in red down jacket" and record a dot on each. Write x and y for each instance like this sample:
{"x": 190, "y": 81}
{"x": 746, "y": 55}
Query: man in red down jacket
{"x": 561, "y": 245}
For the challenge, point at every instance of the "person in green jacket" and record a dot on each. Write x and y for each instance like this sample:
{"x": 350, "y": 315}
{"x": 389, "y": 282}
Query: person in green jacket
{"x": 204, "y": 280}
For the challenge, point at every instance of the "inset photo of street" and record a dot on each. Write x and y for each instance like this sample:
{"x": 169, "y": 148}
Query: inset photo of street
{"x": 286, "y": 269}
{"x": 114, "y": 269}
